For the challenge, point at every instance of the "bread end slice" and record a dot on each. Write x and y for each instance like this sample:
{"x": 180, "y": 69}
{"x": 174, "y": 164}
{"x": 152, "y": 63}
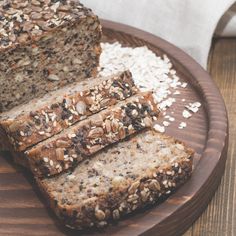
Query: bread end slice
{"x": 126, "y": 177}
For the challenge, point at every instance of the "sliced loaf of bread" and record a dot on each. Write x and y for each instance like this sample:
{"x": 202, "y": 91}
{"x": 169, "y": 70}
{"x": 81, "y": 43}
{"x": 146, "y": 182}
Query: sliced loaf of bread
{"x": 40, "y": 119}
{"x": 83, "y": 139}
{"x": 122, "y": 178}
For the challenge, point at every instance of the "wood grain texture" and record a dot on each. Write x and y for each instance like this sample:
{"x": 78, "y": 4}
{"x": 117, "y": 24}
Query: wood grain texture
{"x": 220, "y": 216}
{"x": 22, "y": 209}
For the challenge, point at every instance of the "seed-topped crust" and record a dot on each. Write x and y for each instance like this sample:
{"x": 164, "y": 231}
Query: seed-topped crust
{"x": 27, "y": 125}
{"x": 90, "y": 136}
{"x": 110, "y": 186}
{"x": 27, "y": 20}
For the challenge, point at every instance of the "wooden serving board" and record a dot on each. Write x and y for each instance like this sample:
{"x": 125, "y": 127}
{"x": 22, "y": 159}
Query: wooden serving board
{"x": 24, "y": 212}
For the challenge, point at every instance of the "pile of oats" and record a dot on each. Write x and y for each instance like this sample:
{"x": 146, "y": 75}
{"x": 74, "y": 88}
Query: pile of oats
{"x": 150, "y": 72}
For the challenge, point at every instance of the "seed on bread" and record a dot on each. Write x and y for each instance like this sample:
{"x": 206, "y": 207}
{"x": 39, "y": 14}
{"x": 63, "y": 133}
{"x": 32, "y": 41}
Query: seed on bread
{"x": 116, "y": 214}
{"x": 133, "y": 187}
{"x": 45, "y": 159}
{"x": 100, "y": 215}
{"x": 95, "y": 133}
{"x": 81, "y": 108}
{"x": 62, "y": 144}
{"x": 154, "y": 185}
{"x": 60, "y": 154}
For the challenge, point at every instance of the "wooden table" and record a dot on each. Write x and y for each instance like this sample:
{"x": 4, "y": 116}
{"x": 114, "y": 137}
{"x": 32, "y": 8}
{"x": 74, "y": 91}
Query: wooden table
{"x": 219, "y": 219}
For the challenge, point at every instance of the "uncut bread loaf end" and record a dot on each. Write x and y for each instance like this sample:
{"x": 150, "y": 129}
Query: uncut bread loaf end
{"x": 31, "y": 123}
{"x": 122, "y": 178}
{"x": 45, "y": 45}
{"x": 64, "y": 150}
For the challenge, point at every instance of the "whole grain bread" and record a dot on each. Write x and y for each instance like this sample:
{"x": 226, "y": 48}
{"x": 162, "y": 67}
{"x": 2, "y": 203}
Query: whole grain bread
{"x": 45, "y": 45}
{"x": 83, "y": 139}
{"x": 28, "y": 124}
{"x": 119, "y": 180}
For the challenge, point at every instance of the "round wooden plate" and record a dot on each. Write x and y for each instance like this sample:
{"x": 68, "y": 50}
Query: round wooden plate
{"x": 23, "y": 211}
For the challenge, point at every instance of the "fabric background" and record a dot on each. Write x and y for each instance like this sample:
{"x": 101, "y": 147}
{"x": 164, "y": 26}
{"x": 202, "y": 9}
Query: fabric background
{"x": 188, "y": 24}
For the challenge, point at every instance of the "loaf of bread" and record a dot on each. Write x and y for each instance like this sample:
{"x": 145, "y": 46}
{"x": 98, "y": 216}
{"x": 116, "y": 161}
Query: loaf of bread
{"x": 44, "y": 45}
{"x": 28, "y": 124}
{"x": 83, "y": 139}
{"x": 126, "y": 176}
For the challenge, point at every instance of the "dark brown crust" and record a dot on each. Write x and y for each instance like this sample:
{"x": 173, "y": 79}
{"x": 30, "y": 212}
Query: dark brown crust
{"x": 91, "y": 135}
{"x": 33, "y": 127}
{"x": 108, "y": 207}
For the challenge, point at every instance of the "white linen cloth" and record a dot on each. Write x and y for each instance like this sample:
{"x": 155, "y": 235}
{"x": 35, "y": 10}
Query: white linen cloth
{"x": 188, "y": 24}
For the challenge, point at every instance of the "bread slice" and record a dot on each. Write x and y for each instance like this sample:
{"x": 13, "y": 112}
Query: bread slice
{"x": 76, "y": 143}
{"x": 122, "y": 178}
{"x": 42, "y": 118}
